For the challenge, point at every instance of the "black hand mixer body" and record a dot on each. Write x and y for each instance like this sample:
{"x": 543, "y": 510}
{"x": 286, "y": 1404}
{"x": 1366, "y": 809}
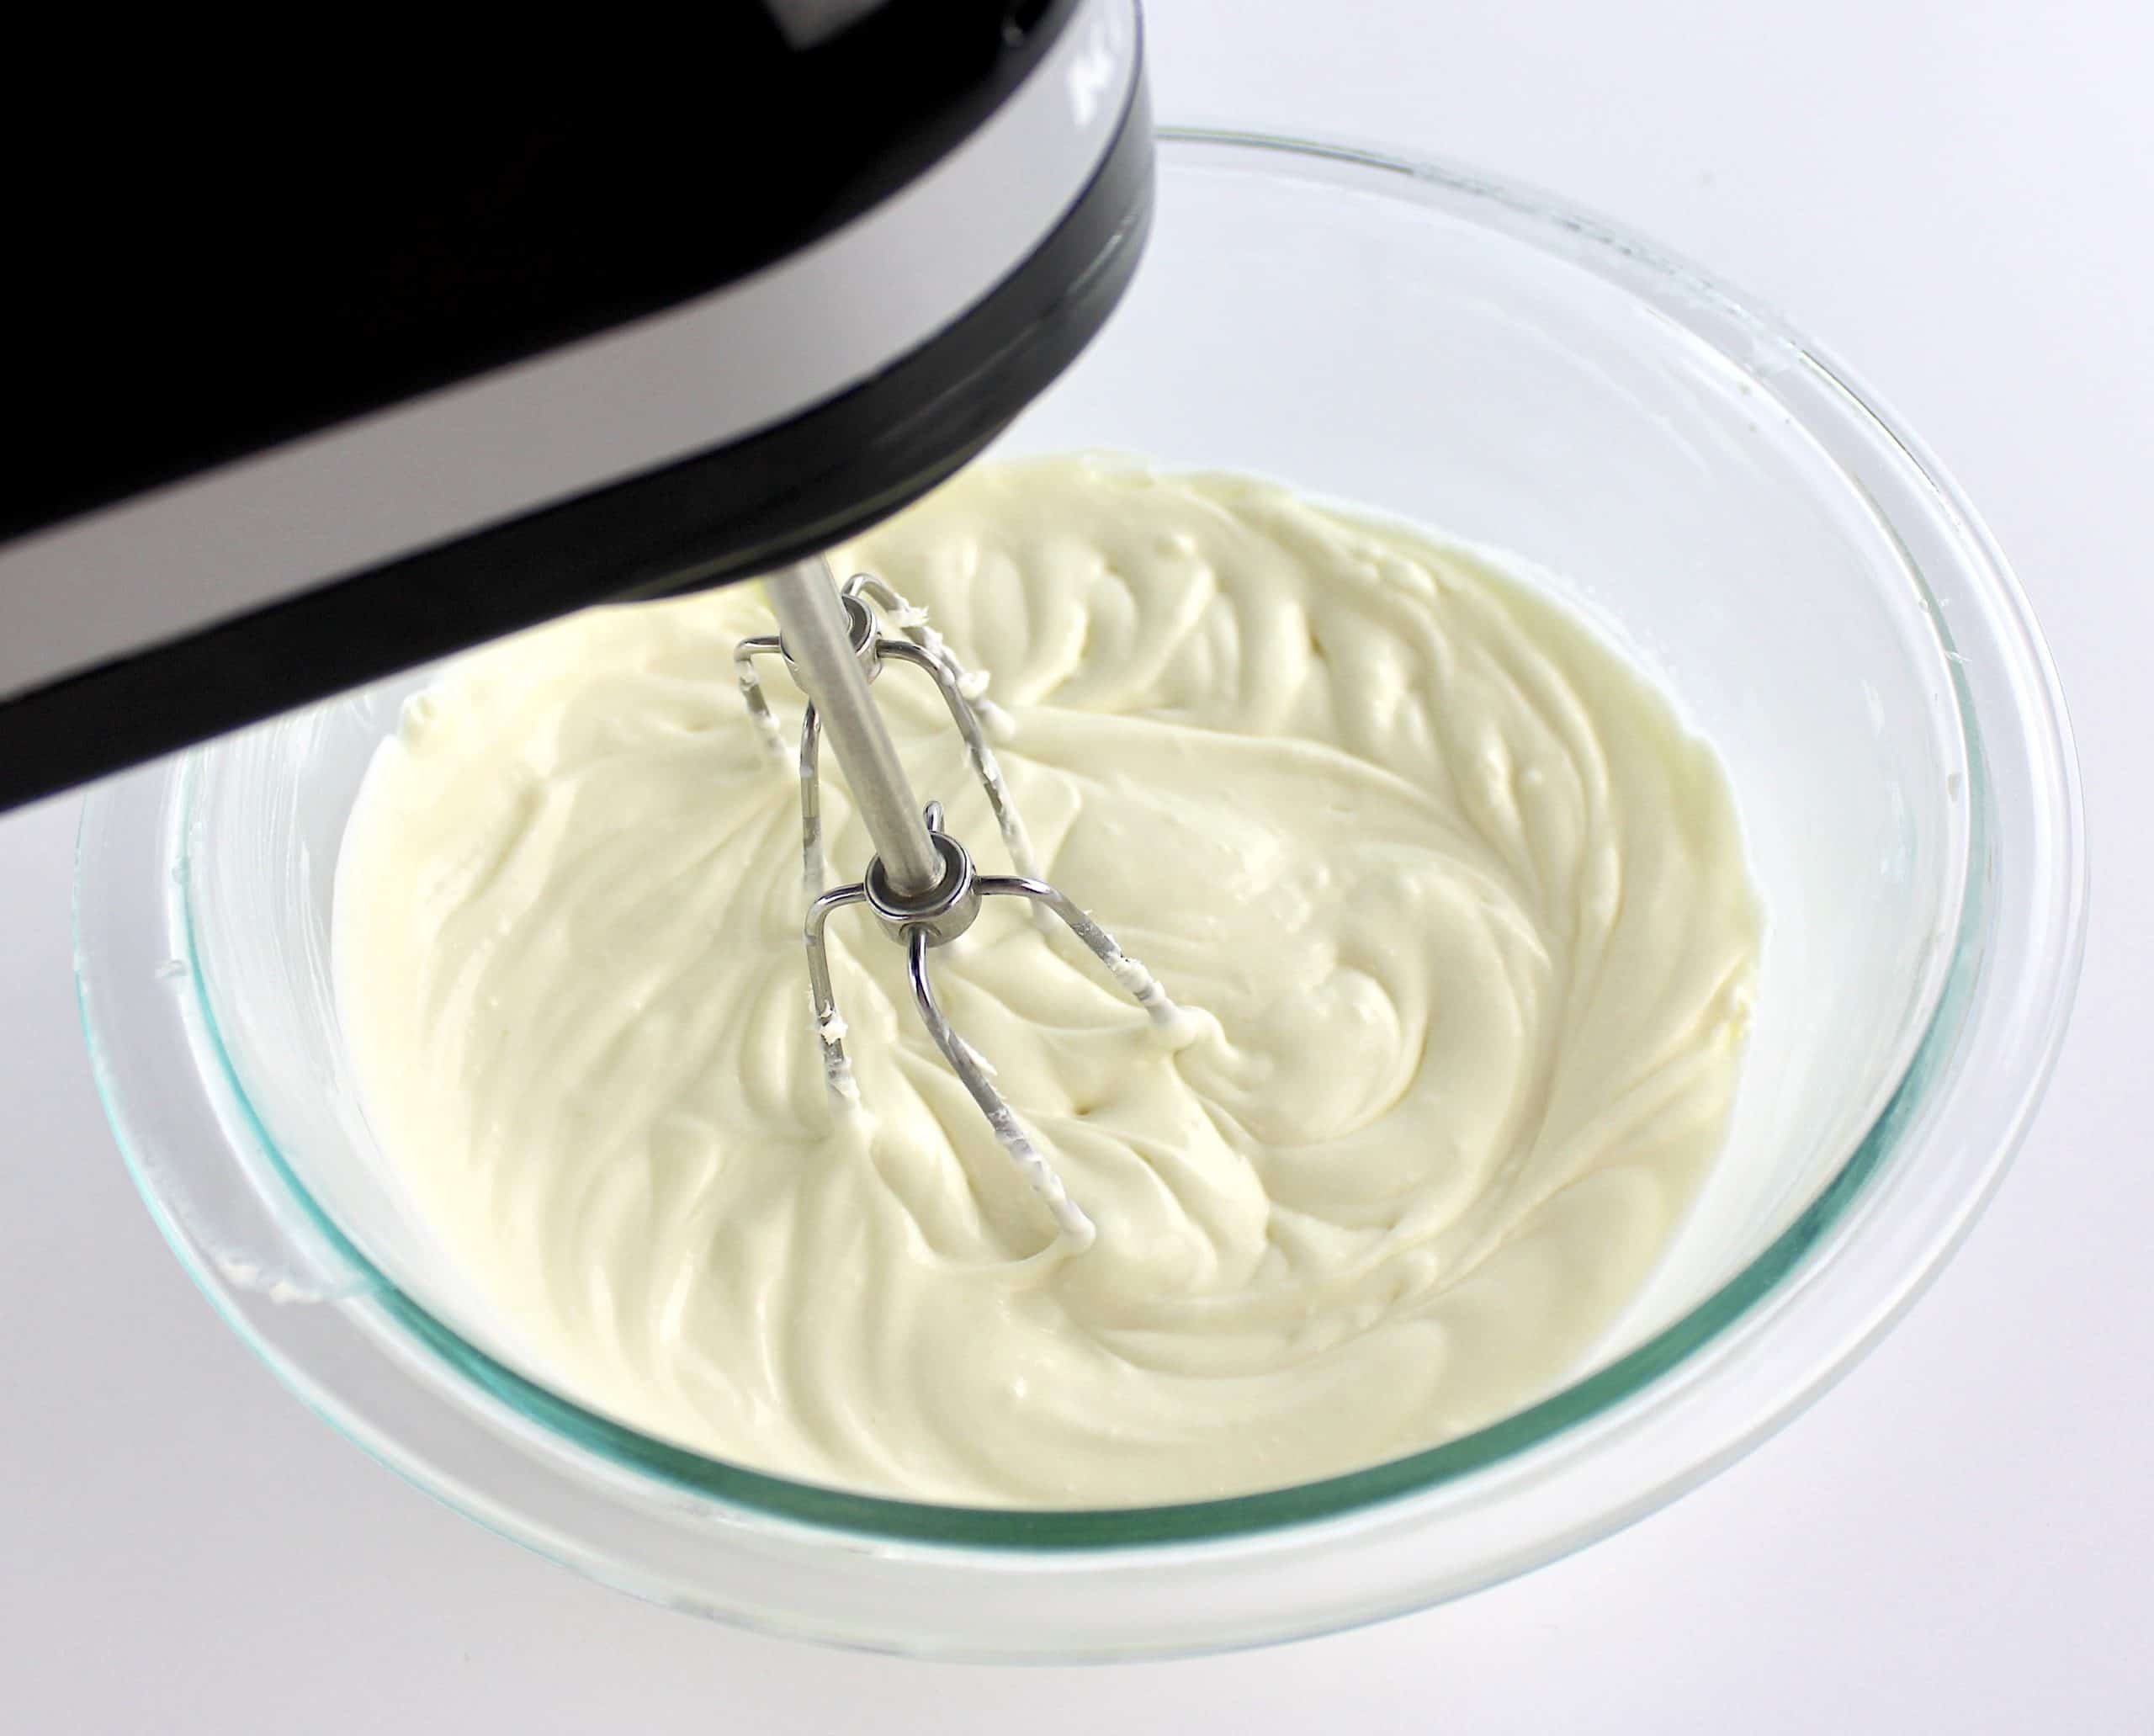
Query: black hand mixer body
{"x": 417, "y": 369}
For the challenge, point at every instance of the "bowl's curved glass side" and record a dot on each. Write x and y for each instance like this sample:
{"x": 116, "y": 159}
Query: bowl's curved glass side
{"x": 416, "y": 1313}
{"x": 262, "y": 829}
{"x": 216, "y": 1191}
{"x": 820, "y": 1563}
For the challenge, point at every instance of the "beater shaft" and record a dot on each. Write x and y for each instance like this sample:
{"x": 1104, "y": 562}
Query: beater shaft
{"x": 812, "y": 622}
{"x": 920, "y": 884}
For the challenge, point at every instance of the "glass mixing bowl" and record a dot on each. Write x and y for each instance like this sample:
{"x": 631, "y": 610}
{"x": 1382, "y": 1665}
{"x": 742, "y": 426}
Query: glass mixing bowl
{"x": 1419, "y": 342}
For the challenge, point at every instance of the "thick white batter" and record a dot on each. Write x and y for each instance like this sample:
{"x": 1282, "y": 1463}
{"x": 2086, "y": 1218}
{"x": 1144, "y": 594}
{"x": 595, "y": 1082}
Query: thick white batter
{"x": 1463, "y": 910}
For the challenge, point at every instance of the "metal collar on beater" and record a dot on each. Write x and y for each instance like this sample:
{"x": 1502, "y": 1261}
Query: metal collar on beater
{"x": 920, "y": 885}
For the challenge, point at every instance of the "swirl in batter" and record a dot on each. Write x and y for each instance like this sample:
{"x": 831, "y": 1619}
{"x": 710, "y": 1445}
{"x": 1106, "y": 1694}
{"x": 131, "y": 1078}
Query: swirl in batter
{"x": 1461, "y": 908}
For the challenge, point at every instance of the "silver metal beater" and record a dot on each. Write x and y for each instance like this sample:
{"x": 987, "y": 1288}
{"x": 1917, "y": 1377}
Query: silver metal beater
{"x": 920, "y": 885}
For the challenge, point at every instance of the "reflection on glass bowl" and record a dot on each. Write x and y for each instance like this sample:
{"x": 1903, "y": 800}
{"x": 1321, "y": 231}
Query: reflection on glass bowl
{"x": 1821, "y": 602}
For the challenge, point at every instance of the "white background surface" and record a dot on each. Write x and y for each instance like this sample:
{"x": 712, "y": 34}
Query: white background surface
{"x": 1959, "y": 201}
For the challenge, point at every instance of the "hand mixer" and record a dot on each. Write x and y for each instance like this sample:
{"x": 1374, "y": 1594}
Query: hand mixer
{"x": 920, "y": 884}
{"x": 425, "y": 383}
{"x": 307, "y": 391}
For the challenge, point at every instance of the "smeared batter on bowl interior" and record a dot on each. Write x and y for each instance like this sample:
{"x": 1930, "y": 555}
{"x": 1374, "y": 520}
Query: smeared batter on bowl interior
{"x": 1462, "y": 908}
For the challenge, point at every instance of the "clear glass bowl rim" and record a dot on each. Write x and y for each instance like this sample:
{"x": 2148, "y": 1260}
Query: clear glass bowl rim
{"x": 1797, "y": 1249}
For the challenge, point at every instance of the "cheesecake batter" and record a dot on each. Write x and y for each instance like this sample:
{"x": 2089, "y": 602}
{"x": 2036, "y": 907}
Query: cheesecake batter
{"x": 1460, "y": 910}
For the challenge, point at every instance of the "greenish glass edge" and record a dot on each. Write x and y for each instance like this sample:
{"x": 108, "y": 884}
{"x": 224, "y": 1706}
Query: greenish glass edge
{"x": 1242, "y": 1515}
